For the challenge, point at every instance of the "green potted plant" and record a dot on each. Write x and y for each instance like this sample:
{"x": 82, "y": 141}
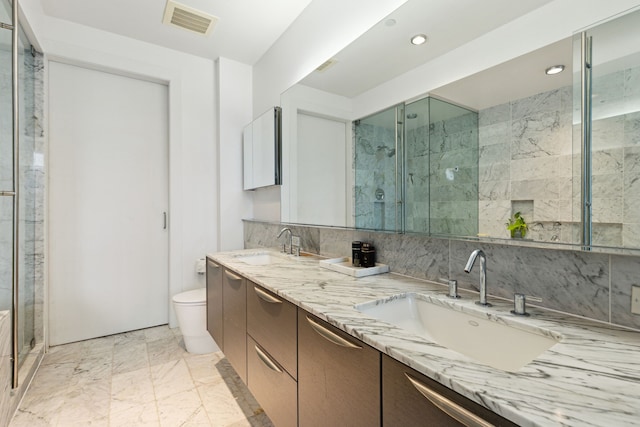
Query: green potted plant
{"x": 517, "y": 226}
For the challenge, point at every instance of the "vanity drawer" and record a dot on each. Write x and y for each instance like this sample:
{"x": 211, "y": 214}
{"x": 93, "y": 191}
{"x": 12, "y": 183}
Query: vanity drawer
{"x": 234, "y": 334}
{"x": 412, "y": 399}
{"x": 271, "y": 321}
{"x": 272, "y": 386}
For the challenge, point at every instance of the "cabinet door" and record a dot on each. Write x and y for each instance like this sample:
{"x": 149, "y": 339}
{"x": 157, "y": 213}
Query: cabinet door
{"x": 214, "y": 302}
{"x": 272, "y": 386}
{"x": 412, "y": 399}
{"x": 338, "y": 377}
{"x": 271, "y": 321}
{"x": 234, "y": 294}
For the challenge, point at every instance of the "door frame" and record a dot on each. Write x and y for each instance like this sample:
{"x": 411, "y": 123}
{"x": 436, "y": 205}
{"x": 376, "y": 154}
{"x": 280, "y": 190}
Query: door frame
{"x": 155, "y": 74}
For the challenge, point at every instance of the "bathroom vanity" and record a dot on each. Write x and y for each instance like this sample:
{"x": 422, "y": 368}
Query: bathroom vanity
{"x": 315, "y": 354}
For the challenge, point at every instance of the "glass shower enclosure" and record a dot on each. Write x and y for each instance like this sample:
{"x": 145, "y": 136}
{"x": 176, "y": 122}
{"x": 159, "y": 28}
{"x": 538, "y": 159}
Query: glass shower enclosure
{"x": 21, "y": 195}
{"x": 416, "y": 169}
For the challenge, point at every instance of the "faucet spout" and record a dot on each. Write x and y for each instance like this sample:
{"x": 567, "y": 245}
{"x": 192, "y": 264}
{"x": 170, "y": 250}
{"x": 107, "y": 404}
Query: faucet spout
{"x": 483, "y": 274}
{"x": 284, "y": 230}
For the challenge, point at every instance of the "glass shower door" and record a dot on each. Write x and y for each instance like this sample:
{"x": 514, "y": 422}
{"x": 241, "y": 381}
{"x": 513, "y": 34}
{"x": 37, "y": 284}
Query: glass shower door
{"x": 6, "y": 163}
{"x": 615, "y": 132}
{"x": 378, "y": 166}
{"x": 29, "y": 192}
{"x": 20, "y": 187}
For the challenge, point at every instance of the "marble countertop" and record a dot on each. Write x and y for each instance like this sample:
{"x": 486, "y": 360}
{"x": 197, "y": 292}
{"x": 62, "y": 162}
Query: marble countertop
{"x": 590, "y": 378}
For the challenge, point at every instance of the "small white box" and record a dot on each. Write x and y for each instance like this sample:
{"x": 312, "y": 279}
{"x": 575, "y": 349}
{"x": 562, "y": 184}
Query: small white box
{"x": 343, "y": 265}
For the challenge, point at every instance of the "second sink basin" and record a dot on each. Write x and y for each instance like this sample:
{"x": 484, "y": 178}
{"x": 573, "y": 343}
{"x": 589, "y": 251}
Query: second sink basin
{"x": 489, "y": 342}
{"x": 262, "y": 258}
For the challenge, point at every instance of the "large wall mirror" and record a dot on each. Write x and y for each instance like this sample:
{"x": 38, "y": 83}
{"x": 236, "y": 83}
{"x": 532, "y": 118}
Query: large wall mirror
{"x": 462, "y": 159}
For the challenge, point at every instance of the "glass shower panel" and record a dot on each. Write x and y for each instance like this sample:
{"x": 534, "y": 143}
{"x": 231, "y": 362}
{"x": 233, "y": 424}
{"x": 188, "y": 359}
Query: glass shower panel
{"x": 615, "y": 122}
{"x": 29, "y": 192}
{"x": 417, "y": 167}
{"x": 453, "y": 169}
{"x": 6, "y": 166}
{"x": 376, "y": 171}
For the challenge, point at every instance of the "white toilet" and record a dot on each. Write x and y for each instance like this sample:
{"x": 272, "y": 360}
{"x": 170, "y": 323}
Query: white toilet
{"x": 191, "y": 310}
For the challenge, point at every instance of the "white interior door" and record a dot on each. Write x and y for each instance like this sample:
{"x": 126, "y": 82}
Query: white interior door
{"x": 108, "y": 194}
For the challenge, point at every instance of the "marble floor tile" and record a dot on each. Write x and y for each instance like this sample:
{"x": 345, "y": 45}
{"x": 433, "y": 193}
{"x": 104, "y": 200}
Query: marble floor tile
{"x": 184, "y": 408}
{"x": 203, "y": 368}
{"x": 139, "y": 378}
{"x": 138, "y": 415}
{"x": 130, "y": 358}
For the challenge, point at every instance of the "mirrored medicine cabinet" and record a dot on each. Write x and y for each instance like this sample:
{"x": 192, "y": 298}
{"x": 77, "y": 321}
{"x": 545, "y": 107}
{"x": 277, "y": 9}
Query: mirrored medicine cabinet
{"x": 262, "y": 148}
{"x": 460, "y": 161}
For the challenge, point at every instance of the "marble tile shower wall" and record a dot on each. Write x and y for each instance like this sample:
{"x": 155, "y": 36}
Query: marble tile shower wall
{"x": 616, "y": 158}
{"x": 375, "y": 176}
{"x": 526, "y": 164}
{"x": 588, "y": 284}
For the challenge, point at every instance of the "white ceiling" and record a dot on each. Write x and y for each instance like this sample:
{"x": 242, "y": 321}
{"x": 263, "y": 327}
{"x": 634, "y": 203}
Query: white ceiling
{"x": 245, "y": 31}
{"x": 384, "y": 51}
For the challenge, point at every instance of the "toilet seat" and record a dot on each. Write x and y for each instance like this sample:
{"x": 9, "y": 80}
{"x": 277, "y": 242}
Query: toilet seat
{"x": 194, "y": 297}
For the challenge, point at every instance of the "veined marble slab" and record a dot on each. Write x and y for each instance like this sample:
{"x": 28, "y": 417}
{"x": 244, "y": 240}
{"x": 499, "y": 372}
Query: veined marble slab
{"x": 590, "y": 378}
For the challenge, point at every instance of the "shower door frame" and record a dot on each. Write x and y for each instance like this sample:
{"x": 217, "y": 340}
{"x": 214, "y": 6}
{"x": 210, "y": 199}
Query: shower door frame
{"x": 14, "y": 192}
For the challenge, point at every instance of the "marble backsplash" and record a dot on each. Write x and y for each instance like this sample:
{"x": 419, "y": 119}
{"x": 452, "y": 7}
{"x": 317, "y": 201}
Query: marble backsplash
{"x": 588, "y": 284}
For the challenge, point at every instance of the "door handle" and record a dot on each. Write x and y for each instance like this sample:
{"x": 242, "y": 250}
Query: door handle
{"x": 164, "y": 220}
{"x": 452, "y": 409}
{"x": 331, "y": 336}
{"x": 265, "y": 296}
{"x": 267, "y": 360}
{"x": 232, "y": 276}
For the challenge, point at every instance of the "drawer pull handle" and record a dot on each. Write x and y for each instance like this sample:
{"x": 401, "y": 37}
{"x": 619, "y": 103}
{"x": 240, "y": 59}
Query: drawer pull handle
{"x": 212, "y": 264}
{"x": 266, "y": 360}
{"x": 331, "y": 336}
{"x": 232, "y": 276}
{"x": 266, "y": 297}
{"x": 455, "y": 411}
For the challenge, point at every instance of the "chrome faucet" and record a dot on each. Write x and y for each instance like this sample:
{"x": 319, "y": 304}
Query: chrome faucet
{"x": 483, "y": 274}
{"x": 290, "y": 240}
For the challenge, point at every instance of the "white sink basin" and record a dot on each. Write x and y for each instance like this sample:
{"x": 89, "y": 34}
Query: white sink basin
{"x": 495, "y": 344}
{"x": 261, "y": 259}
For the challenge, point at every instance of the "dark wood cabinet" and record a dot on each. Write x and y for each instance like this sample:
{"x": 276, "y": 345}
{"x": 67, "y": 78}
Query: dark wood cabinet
{"x": 272, "y": 322}
{"x": 338, "y": 377}
{"x": 412, "y": 399}
{"x": 214, "y": 302}
{"x": 234, "y": 335}
{"x": 272, "y": 354}
{"x": 306, "y": 372}
{"x": 272, "y": 386}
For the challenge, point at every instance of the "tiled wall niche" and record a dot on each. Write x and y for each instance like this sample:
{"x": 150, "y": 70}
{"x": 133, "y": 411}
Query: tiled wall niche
{"x": 593, "y": 285}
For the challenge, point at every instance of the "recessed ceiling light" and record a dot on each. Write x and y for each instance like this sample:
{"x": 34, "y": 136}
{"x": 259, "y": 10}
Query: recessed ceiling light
{"x": 418, "y": 39}
{"x": 555, "y": 69}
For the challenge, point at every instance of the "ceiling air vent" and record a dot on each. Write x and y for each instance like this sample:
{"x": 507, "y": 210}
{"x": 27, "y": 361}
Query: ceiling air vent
{"x": 186, "y": 17}
{"x": 327, "y": 64}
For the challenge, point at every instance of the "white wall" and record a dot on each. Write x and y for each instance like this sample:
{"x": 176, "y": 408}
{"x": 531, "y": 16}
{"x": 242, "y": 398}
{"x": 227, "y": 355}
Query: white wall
{"x": 234, "y": 112}
{"x": 192, "y": 127}
{"x": 323, "y": 29}
{"x": 319, "y": 33}
{"x": 552, "y": 22}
